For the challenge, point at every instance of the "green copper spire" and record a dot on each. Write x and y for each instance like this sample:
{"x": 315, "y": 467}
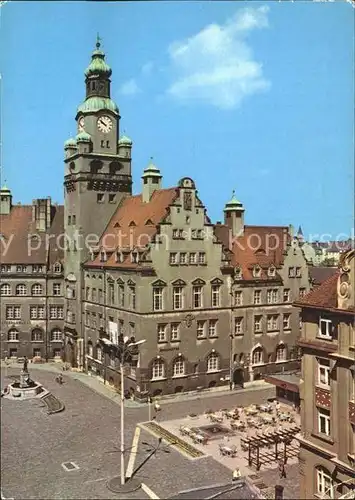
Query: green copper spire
{"x": 98, "y": 66}
{"x": 233, "y": 203}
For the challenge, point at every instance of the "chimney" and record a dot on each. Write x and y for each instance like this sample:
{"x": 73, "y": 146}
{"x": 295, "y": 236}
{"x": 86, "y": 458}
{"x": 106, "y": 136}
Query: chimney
{"x": 41, "y": 213}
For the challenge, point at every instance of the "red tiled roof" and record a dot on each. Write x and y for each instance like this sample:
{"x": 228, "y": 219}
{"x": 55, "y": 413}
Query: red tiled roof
{"x": 318, "y": 274}
{"x": 18, "y": 248}
{"x": 133, "y": 226}
{"x": 259, "y": 245}
{"x": 324, "y": 296}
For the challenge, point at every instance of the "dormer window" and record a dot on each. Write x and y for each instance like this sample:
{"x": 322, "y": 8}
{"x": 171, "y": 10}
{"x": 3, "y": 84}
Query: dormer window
{"x": 238, "y": 273}
{"x": 132, "y": 224}
{"x": 325, "y": 328}
{"x": 103, "y": 256}
{"x": 57, "y": 267}
{"x": 271, "y": 271}
{"x": 119, "y": 257}
{"x": 257, "y": 272}
{"x": 134, "y": 257}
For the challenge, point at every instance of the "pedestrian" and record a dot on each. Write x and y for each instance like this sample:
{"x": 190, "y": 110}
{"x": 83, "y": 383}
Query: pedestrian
{"x": 236, "y": 475}
{"x": 282, "y": 469}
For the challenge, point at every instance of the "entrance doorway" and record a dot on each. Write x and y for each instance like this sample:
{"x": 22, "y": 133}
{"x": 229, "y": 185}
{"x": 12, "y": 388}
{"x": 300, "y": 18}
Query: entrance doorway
{"x": 238, "y": 377}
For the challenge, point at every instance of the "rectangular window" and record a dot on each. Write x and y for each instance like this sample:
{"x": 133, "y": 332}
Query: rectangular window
{"x": 161, "y": 333}
{"x": 238, "y": 298}
{"x": 69, "y": 220}
{"x": 173, "y": 258}
{"x": 325, "y": 328}
{"x": 275, "y": 296}
{"x": 287, "y": 295}
{"x": 291, "y": 272}
{"x": 13, "y": 312}
{"x": 74, "y": 219}
{"x": 111, "y": 198}
{"x": 212, "y": 328}
{"x": 157, "y": 299}
{"x": 197, "y": 296}
{"x": 177, "y": 297}
{"x": 202, "y": 258}
{"x": 36, "y": 312}
{"x": 325, "y": 487}
{"x": 269, "y": 296}
{"x": 238, "y": 326}
{"x": 121, "y": 295}
{"x": 257, "y": 297}
{"x": 286, "y": 321}
{"x": 56, "y": 289}
{"x": 258, "y": 327}
{"x": 215, "y": 291}
{"x": 175, "y": 234}
{"x": 111, "y": 293}
{"x": 132, "y": 297}
{"x": 174, "y": 333}
{"x": 193, "y": 258}
{"x": 302, "y": 292}
{"x": 298, "y": 272}
{"x": 100, "y": 197}
{"x": 272, "y": 322}
{"x": 324, "y": 421}
{"x": 183, "y": 258}
{"x": 13, "y": 353}
{"x": 94, "y": 297}
{"x": 324, "y": 372}
{"x": 201, "y": 325}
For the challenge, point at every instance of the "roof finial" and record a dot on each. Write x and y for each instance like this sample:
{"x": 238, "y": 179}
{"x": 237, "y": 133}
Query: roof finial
{"x": 151, "y": 159}
{"x": 233, "y": 193}
{"x": 98, "y": 41}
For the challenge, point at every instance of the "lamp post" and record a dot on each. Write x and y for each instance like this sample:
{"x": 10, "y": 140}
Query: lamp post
{"x": 124, "y": 347}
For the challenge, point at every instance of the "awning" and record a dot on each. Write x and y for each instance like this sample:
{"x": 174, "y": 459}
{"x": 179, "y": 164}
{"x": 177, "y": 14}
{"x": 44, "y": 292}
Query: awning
{"x": 106, "y": 341}
{"x": 282, "y": 383}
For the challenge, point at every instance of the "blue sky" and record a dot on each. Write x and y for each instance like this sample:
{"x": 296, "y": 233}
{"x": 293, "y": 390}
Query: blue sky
{"x": 255, "y": 96}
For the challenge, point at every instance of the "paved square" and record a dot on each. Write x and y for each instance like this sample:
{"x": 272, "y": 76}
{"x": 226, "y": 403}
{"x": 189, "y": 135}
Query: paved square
{"x": 87, "y": 432}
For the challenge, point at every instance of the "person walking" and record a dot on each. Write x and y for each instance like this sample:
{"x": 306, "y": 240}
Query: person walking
{"x": 236, "y": 475}
{"x": 282, "y": 469}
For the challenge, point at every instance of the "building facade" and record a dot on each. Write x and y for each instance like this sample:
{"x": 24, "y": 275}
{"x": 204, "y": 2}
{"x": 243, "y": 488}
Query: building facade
{"x": 31, "y": 281}
{"x": 327, "y": 389}
{"x": 213, "y": 302}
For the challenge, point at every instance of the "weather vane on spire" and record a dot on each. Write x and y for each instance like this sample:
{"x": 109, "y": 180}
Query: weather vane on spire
{"x": 98, "y": 41}
{"x": 233, "y": 193}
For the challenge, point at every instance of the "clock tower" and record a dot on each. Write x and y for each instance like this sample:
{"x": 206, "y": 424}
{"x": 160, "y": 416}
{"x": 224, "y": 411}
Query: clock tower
{"x": 97, "y": 177}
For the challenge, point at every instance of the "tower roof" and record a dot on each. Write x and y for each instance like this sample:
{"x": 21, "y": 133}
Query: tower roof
{"x": 125, "y": 140}
{"x": 70, "y": 143}
{"x": 83, "y": 137}
{"x": 5, "y": 190}
{"x": 95, "y": 103}
{"x": 233, "y": 204}
{"x": 151, "y": 170}
{"x": 98, "y": 65}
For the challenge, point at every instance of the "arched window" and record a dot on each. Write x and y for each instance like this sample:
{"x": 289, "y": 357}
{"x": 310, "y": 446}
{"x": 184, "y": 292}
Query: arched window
{"x": 324, "y": 482}
{"x": 158, "y": 369}
{"x": 258, "y": 356}
{"x": 281, "y": 352}
{"x": 213, "y": 362}
{"x": 21, "y": 289}
{"x": 37, "y": 335}
{"x": 37, "y": 289}
{"x": 5, "y": 289}
{"x": 12, "y": 335}
{"x": 56, "y": 335}
{"x": 178, "y": 367}
{"x": 90, "y": 349}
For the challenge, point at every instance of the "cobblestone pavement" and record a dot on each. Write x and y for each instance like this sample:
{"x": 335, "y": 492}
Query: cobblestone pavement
{"x": 291, "y": 482}
{"x": 34, "y": 444}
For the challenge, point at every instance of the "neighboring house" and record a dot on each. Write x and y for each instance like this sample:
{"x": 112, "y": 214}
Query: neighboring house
{"x": 327, "y": 389}
{"x": 318, "y": 274}
{"x": 31, "y": 282}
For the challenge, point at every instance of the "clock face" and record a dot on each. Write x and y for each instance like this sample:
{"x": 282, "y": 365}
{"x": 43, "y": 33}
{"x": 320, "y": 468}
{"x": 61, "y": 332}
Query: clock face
{"x": 81, "y": 124}
{"x": 104, "y": 124}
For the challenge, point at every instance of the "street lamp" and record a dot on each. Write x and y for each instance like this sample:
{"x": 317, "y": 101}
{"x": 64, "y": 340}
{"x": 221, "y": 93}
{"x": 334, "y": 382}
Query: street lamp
{"x": 124, "y": 348}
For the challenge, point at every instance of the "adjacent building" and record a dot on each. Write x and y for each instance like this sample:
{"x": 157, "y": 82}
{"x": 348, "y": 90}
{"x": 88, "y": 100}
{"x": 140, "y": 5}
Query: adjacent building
{"x": 327, "y": 389}
{"x": 31, "y": 281}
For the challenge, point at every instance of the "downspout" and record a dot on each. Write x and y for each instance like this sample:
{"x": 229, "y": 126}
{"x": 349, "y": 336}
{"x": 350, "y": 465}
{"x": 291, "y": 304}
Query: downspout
{"x": 46, "y": 304}
{"x": 105, "y": 322}
{"x": 231, "y": 336}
